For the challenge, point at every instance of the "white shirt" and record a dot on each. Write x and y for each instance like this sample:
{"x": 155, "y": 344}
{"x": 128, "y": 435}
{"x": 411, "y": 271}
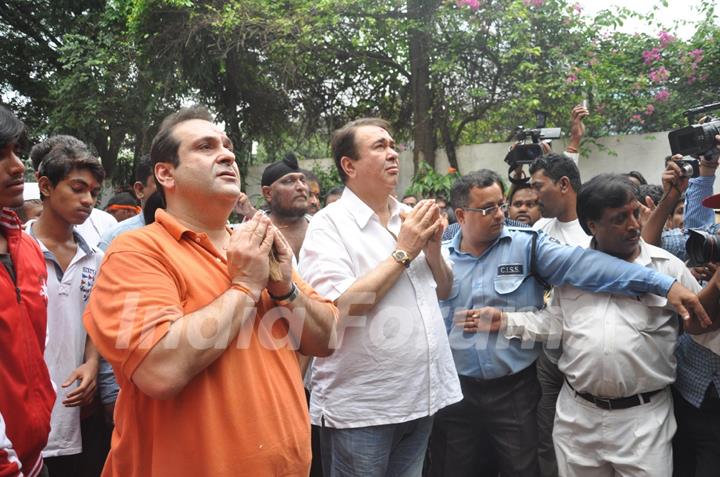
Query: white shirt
{"x": 95, "y": 226}
{"x": 393, "y": 365}
{"x": 613, "y": 346}
{"x": 68, "y": 294}
{"x": 567, "y": 233}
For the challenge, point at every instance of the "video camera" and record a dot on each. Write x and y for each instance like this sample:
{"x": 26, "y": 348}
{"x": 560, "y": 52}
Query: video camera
{"x": 527, "y": 147}
{"x": 696, "y": 139}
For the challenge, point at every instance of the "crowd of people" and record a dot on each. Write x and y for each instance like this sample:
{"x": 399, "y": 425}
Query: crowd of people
{"x": 555, "y": 328}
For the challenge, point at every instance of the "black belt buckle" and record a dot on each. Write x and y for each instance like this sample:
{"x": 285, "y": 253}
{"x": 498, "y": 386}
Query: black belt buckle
{"x": 600, "y": 402}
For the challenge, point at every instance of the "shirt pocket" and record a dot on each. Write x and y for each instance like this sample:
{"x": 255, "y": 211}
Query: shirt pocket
{"x": 504, "y": 285}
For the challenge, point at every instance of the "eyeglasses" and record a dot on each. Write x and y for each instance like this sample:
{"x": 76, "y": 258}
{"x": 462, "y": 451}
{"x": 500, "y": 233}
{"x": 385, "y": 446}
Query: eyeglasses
{"x": 487, "y": 210}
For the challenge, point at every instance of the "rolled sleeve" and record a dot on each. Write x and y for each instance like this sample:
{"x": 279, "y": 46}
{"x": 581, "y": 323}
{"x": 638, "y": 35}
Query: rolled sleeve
{"x": 696, "y": 215}
{"x": 129, "y": 313}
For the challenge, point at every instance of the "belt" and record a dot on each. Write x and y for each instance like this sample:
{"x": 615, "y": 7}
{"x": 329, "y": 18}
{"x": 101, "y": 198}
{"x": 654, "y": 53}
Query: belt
{"x": 616, "y": 403}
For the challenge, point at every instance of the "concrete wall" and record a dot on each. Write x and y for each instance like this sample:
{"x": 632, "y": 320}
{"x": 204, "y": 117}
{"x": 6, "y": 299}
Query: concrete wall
{"x": 643, "y": 152}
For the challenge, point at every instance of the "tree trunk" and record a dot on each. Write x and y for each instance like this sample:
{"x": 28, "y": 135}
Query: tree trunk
{"x": 443, "y": 124}
{"x": 420, "y": 12}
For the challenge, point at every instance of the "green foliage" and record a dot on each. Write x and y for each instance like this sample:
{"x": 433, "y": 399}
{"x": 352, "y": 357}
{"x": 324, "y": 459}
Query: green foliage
{"x": 428, "y": 183}
{"x": 328, "y": 177}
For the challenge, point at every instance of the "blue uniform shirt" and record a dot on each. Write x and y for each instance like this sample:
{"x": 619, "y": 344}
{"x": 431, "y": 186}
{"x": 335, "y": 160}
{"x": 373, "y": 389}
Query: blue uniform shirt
{"x": 500, "y": 278}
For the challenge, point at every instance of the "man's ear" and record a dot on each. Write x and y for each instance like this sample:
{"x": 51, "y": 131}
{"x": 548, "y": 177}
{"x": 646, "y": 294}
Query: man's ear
{"x": 564, "y": 183}
{"x": 165, "y": 174}
{"x": 460, "y": 215}
{"x": 44, "y": 186}
{"x": 267, "y": 193}
{"x": 592, "y": 226}
{"x": 348, "y": 165}
{"x": 139, "y": 190}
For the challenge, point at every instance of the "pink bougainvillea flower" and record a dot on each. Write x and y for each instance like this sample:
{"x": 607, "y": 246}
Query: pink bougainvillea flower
{"x": 636, "y": 117}
{"x": 696, "y": 55}
{"x": 571, "y": 78}
{"x": 691, "y": 79}
{"x": 649, "y": 110}
{"x": 473, "y": 4}
{"x": 665, "y": 39}
{"x": 659, "y": 75}
{"x": 662, "y": 96}
{"x": 577, "y": 8}
{"x": 534, "y": 3}
{"x": 651, "y": 56}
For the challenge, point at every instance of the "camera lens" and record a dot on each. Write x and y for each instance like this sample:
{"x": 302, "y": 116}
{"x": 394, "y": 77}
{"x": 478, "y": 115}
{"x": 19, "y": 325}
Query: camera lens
{"x": 702, "y": 247}
{"x": 687, "y": 169}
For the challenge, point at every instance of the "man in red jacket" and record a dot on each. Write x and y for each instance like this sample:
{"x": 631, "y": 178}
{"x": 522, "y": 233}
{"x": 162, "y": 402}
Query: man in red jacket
{"x": 27, "y": 395}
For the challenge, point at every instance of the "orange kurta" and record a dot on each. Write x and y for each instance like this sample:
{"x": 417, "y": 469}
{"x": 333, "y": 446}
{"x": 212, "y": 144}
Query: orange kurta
{"x": 245, "y": 414}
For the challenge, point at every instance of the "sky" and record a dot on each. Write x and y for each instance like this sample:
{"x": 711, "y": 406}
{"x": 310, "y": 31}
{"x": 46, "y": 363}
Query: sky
{"x": 676, "y": 10}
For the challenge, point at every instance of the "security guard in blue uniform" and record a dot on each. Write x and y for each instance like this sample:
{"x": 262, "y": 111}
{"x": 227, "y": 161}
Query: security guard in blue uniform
{"x": 494, "y": 428}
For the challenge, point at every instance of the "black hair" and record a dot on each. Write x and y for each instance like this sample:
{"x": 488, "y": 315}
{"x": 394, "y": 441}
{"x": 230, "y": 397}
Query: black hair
{"x": 343, "y": 141}
{"x": 654, "y": 191}
{"x": 12, "y": 130}
{"x": 557, "y": 166}
{"x": 335, "y": 191}
{"x": 515, "y": 188}
{"x": 602, "y": 192}
{"x": 164, "y": 148}
{"x": 310, "y": 176}
{"x": 460, "y": 194}
{"x": 57, "y": 156}
{"x": 144, "y": 169}
{"x": 41, "y": 150}
{"x": 122, "y": 198}
{"x": 640, "y": 178}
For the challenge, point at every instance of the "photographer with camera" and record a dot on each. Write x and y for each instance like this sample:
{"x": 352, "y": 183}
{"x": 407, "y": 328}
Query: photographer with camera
{"x": 696, "y": 389}
{"x": 676, "y": 180}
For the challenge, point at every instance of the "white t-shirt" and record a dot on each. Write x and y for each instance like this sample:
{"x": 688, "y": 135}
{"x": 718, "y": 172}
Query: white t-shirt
{"x": 393, "y": 365}
{"x": 95, "y": 226}
{"x": 68, "y": 293}
{"x": 567, "y": 233}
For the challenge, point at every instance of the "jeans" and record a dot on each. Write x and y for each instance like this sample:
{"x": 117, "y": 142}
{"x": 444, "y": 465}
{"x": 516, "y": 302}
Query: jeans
{"x": 390, "y": 450}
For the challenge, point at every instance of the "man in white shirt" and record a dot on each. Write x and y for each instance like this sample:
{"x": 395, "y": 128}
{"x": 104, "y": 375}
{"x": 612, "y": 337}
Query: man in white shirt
{"x": 69, "y": 179}
{"x": 614, "y": 415}
{"x": 555, "y": 178}
{"x": 381, "y": 262}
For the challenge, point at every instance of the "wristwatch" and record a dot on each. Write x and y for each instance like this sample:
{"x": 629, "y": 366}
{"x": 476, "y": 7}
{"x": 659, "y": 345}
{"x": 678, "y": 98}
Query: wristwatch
{"x": 401, "y": 256}
{"x": 286, "y": 299}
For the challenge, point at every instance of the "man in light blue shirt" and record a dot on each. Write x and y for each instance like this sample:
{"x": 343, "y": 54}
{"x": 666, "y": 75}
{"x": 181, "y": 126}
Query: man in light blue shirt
{"x": 510, "y": 268}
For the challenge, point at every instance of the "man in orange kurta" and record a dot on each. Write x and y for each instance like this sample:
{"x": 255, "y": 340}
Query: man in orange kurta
{"x": 201, "y": 338}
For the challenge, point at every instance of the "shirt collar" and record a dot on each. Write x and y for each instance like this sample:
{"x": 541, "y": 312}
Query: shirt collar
{"x": 647, "y": 253}
{"x": 79, "y": 240}
{"x": 171, "y": 224}
{"x": 456, "y": 241}
{"x": 361, "y": 212}
{"x": 174, "y": 227}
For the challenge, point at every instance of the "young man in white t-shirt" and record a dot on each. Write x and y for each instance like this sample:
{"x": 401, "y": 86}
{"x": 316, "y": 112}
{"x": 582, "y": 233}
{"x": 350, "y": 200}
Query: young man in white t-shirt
{"x": 69, "y": 179}
{"x": 556, "y": 180}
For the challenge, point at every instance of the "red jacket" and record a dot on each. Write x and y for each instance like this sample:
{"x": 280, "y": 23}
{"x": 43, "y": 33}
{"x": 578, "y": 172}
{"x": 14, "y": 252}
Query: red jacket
{"x": 26, "y": 392}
